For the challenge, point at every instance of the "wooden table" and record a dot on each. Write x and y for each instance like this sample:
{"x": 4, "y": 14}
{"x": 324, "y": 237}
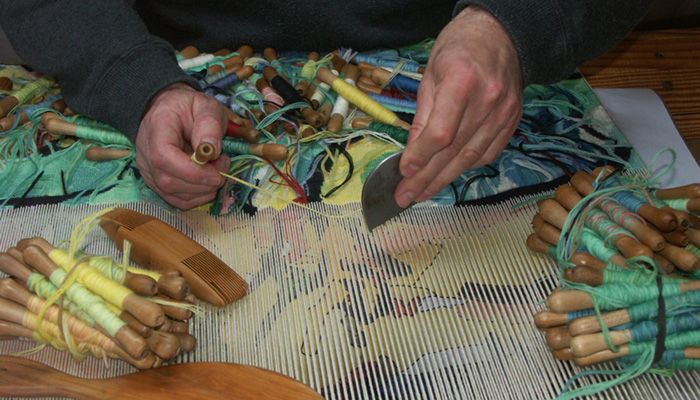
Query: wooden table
{"x": 667, "y": 61}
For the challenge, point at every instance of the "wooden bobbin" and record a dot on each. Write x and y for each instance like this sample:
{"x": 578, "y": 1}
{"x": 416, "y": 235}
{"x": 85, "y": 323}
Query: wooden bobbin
{"x": 12, "y": 290}
{"x": 186, "y": 341}
{"x": 189, "y": 52}
{"x": 10, "y": 330}
{"x": 676, "y": 238}
{"x": 335, "y": 124}
{"x": 693, "y": 235}
{"x": 145, "y": 311}
{"x": 367, "y": 86}
{"x": 7, "y": 123}
{"x": 664, "y": 220}
{"x": 548, "y": 232}
{"x": 681, "y": 258}
{"x": 601, "y": 356}
{"x": 6, "y": 84}
{"x": 591, "y": 324}
{"x": 98, "y": 153}
{"x": 204, "y": 153}
{"x": 585, "y": 274}
{"x": 690, "y": 191}
{"x": 276, "y": 80}
{"x": 175, "y": 287}
{"x": 555, "y": 214}
{"x": 582, "y": 182}
{"x": 564, "y": 301}
{"x": 583, "y": 258}
{"x": 558, "y": 337}
{"x": 134, "y": 344}
{"x": 535, "y": 243}
{"x": 547, "y": 319}
{"x": 273, "y": 151}
{"x": 245, "y": 132}
{"x": 563, "y": 354}
{"x": 56, "y": 126}
{"x": 142, "y": 285}
{"x": 164, "y": 344}
{"x": 568, "y": 197}
{"x": 7, "y": 104}
{"x": 325, "y": 111}
{"x": 303, "y": 85}
{"x": 177, "y": 326}
{"x": 326, "y": 76}
{"x": 586, "y": 345}
{"x": 176, "y": 310}
{"x": 12, "y": 267}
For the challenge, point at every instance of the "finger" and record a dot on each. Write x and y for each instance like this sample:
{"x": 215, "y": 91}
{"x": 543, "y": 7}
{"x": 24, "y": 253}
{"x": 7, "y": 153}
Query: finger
{"x": 171, "y": 161}
{"x": 483, "y": 148}
{"x": 188, "y": 202}
{"x": 209, "y": 125}
{"x": 448, "y": 164}
{"x": 423, "y": 107}
{"x": 500, "y": 142}
{"x": 169, "y": 183}
{"x": 444, "y": 120}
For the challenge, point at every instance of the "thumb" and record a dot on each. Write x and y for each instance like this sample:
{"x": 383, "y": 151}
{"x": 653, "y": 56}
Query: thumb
{"x": 209, "y": 126}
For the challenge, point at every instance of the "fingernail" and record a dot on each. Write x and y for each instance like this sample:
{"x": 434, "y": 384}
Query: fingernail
{"x": 405, "y": 199}
{"x": 410, "y": 170}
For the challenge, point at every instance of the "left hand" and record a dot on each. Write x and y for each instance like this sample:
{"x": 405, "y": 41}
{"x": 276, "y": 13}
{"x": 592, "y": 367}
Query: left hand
{"x": 469, "y": 105}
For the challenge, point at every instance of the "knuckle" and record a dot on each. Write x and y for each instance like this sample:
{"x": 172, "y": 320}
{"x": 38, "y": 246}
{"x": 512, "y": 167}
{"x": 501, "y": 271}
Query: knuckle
{"x": 469, "y": 155}
{"x": 442, "y": 137}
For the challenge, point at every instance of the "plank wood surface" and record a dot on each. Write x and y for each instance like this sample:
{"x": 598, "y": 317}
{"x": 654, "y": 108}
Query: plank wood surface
{"x": 667, "y": 61}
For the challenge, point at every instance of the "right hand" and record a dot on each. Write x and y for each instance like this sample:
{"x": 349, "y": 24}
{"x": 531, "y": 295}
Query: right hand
{"x": 178, "y": 119}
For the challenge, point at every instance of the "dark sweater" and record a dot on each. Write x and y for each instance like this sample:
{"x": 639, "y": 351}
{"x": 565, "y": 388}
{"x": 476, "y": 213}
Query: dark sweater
{"x": 112, "y": 56}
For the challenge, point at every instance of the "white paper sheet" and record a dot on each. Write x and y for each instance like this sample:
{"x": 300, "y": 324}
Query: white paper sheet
{"x": 644, "y": 120}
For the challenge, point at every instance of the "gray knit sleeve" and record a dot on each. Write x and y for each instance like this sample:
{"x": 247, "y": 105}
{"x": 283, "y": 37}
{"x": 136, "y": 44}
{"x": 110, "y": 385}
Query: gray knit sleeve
{"x": 100, "y": 52}
{"x": 554, "y": 37}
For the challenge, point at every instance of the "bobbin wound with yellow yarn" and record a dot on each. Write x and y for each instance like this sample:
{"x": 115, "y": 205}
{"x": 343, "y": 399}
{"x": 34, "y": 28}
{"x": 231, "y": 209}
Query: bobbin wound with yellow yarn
{"x": 210, "y": 278}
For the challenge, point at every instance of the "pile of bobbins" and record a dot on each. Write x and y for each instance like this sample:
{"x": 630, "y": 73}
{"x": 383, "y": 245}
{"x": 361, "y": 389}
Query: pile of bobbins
{"x": 364, "y": 86}
{"x": 608, "y": 306}
{"x": 96, "y": 306}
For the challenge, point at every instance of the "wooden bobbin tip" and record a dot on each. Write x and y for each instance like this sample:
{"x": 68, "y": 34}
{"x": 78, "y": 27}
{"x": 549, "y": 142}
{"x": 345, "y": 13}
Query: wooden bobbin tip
{"x": 204, "y": 153}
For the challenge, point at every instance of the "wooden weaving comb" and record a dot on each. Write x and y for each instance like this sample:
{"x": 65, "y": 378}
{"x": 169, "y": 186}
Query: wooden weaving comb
{"x": 20, "y": 377}
{"x": 159, "y": 246}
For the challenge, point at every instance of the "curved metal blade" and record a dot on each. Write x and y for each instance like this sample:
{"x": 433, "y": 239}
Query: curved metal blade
{"x": 378, "y": 204}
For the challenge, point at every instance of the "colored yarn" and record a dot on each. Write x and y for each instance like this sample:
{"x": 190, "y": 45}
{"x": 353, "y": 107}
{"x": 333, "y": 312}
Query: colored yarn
{"x": 635, "y": 276}
{"x": 595, "y": 245}
{"x": 364, "y": 102}
{"x": 43, "y": 288}
{"x": 675, "y": 304}
{"x": 624, "y": 295}
{"x": 398, "y": 134}
{"x": 235, "y": 146}
{"x": 647, "y": 330}
{"x": 103, "y": 136}
{"x": 31, "y": 89}
{"x": 405, "y": 83}
{"x": 394, "y": 104}
{"x": 84, "y": 299}
{"x": 194, "y": 62}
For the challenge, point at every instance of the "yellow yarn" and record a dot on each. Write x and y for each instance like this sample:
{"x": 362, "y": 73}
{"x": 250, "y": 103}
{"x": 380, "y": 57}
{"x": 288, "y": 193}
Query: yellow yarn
{"x": 93, "y": 279}
{"x": 364, "y": 102}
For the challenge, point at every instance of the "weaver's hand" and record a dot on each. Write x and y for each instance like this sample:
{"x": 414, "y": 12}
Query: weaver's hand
{"x": 178, "y": 119}
{"x": 469, "y": 104}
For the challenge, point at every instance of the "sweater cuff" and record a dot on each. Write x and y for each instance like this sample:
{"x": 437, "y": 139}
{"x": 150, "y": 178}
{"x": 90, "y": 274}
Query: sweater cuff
{"x": 542, "y": 50}
{"x": 125, "y": 90}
